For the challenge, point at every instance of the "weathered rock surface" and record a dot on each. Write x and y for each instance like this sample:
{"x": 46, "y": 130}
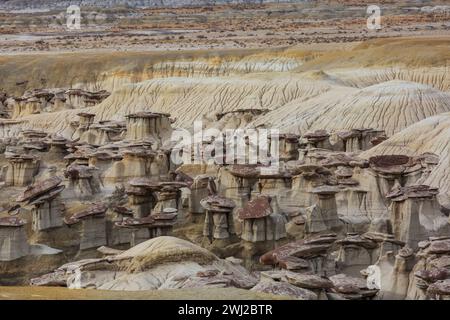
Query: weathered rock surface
{"x": 160, "y": 263}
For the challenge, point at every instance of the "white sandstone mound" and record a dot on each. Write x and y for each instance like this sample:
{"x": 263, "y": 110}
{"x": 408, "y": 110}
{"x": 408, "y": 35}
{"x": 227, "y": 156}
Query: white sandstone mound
{"x": 390, "y": 106}
{"x": 436, "y": 77}
{"x": 160, "y": 263}
{"x": 298, "y": 116}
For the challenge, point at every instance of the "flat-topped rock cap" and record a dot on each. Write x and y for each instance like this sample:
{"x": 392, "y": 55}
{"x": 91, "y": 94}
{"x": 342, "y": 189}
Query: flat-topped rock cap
{"x": 415, "y": 191}
{"x": 256, "y": 208}
{"x": 136, "y": 222}
{"x": 39, "y": 188}
{"x": 217, "y": 203}
{"x": 316, "y": 135}
{"x": 308, "y": 281}
{"x": 30, "y": 133}
{"x": 325, "y": 190}
{"x": 12, "y": 222}
{"x": 144, "y": 182}
{"x": 94, "y": 210}
{"x": 47, "y": 196}
{"x": 244, "y": 171}
{"x": 147, "y": 114}
{"x": 388, "y": 160}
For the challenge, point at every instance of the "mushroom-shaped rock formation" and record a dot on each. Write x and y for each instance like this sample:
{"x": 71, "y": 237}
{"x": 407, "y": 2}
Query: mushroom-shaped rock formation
{"x": 323, "y": 215}
{"x": 141, "y": 196}
{"x": 152, "y": 126}
{"x": 138, "y": 160}
{"x": 428, "y": 138}
{"x": 360, "y": 139}
{"x": 218, "y": 219}
{"x": 314, "y": 251}
{"x": 260, "y": 222}
{"x": 169, "y": 195}
{"x": 86, "y": 119}
{"x": 149, "y": 227}
{"x": 416, "y": 214}
{"x": 45, "y": 198}
{"x": 318, "y": 139}
{"x": 93, "y": 226}
{"x": 21, "y": 169}
{"x": 83, "y": 181}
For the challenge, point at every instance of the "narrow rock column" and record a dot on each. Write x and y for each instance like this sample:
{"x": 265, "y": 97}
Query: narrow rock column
{"x": 323, "y": 215}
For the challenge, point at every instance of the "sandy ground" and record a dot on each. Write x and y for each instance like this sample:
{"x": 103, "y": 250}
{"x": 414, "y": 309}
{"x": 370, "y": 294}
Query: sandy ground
{"x": 52, "y": 293}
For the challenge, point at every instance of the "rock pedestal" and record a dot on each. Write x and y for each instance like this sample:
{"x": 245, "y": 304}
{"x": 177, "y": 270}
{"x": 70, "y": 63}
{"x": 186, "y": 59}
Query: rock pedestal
{"x": 93, "y": 226}
{"x": 142, "y": 229}
{"x": 318, "y": 139}
{"x": 82, "y": 181}
{"x": 169, "y": 196}
{"x": 361, "y": 139}
{"x": 155, "y": 127}
{"x": 21, "y": 170}
{"x": 323, "y": 215}
{"x": 218, "y": 219}
{"x": 45, "y": 198}
{"x": 141, "y": 196}
{"x": 259, "y": 221}
{"x": 416, "y": 215}
{"x": 138, "y": 160}
{"x": 13, "y": 239}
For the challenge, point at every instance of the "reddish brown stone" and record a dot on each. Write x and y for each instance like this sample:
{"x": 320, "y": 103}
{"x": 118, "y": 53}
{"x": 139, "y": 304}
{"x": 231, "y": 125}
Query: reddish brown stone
{"x": 39, "y": 188}
{"x": 12, "y": 222}
{"x": 96, "y": 210}
{"x": 257, "y": 208}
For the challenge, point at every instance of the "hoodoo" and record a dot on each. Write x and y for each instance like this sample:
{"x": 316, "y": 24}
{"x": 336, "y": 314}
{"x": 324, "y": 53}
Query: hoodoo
{"x": 210, "y": 148}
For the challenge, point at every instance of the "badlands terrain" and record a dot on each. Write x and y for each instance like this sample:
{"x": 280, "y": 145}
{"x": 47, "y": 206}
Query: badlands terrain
{"x": 92, "y": 199}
